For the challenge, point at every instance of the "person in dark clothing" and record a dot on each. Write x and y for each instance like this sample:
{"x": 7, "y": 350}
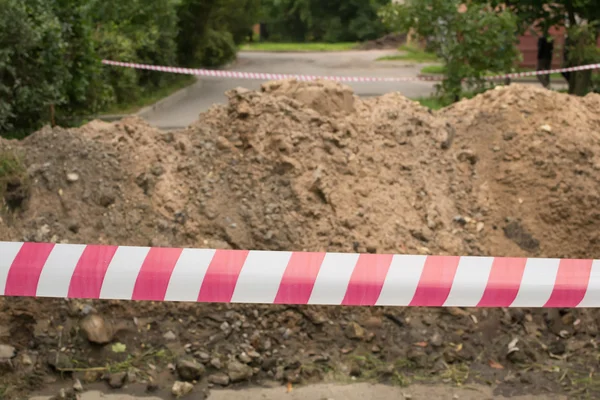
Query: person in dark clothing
{"x": 544, "y": 58}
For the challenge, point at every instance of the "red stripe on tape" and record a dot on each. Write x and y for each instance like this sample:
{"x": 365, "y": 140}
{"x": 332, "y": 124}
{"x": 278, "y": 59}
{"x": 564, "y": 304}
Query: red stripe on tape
{"x": 24, "y": 273}
{"x": 367, "y": 279}
{"x": 436, "y": 281}
{"x": 87, "y": 279}
{"x": 153, "y": 278}
{"x": 503, "y": 283}
{"x": 571, "y": 283}
{"x": 299, "y": 278}
{"x": 222, "y": 275}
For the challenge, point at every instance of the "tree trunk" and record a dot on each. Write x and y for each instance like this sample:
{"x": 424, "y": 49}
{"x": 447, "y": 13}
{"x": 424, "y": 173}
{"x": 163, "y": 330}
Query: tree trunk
{"x": 580, "y": 82}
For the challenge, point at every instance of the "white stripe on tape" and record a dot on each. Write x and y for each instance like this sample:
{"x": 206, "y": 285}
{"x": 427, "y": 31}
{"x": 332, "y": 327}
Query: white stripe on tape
{"x": 537, "y": 283}
{"x": 188, "y": 274}
{"x": 333, "y": 278}
{"x": 470, "y": 281}
{"x": 122, "y": 272}
{"x": 58, "y": 270}
{"x": 259, "y": 279}
{"x": 402, "y": 280}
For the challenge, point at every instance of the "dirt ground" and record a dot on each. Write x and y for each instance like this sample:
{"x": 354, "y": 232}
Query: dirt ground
{"x": 310, "y": 166}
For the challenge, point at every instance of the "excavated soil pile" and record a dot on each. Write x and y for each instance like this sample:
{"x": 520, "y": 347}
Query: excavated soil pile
{"x": 309, "y": 166}
{"x": 533, "y": 158}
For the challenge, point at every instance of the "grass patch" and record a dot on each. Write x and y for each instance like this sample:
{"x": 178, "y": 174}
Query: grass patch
{"x": 14, "y": 182}
{"x": 411, "y": 53}
{"x": 441, "y": 70}
{"x": 180, "y": 82}
{"x": 434, "y": 69}
{"x": 297, "y": 47}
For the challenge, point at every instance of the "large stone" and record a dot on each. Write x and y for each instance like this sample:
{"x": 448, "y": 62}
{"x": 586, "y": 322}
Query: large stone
{"x": 238, "y": 372}
{"x": 219, "y": 379}
{"x": 189, "y": 369}
{"x": 96, "y": 329}
{"x": 355, "y": 331}
{"x": 180, "y": 389}
{"x": 7, "y": 352}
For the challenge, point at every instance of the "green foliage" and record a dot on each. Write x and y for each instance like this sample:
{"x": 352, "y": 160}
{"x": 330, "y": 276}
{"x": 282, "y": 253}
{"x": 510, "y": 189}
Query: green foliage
{"x": 209, "y": 30}
{"x": 470, "y": 43}
{"x": 50, "y": 53}
{"x": 317, "y": 20}
{"x": 32, "y": 71}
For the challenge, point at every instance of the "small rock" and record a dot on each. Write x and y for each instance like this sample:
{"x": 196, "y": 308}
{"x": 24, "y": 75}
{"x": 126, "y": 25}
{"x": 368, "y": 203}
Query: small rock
{"x": 558, "y": 348}
{"x": 59, "y": 361}
{"x": 517, "y": 357}
{"x": 132, "y": 377}
{"x": 480, "y": 226}
{"x": 238, "y": 372}
{"x": 72, "y": 177}
{"x": 509, "y": 135}
{"x": 216, "y": 362}
{"x": 546, "y": 128}
{"x": 436, "y": 340}
{"x": 245, "y": 358}
{"x": 180, "y": 389}
{"x": 219, "y": 379}
{"x": 373, "y": 322}
{"x": 375, "y": 349}
{"x": 117, "y": 380}
{"x": 96, "y": 329}
{"x": 469, "y": 156}
{"x": 77, "y": 386}
{"x": 7, "y": 352}
{"x": 226, "y": 328}
{"x": 169, "y": 336}
{"x": 189, "y": 369}
{"x": 418, "y": 356}
{"x": 26, "y": 359}
{"x": 354, "y": 331}
{"x": 204, "y": 356}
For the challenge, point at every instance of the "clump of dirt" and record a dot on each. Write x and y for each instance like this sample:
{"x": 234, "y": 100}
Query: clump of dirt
{"x": 309, "y": 166}
{"x": 537, "y": 172}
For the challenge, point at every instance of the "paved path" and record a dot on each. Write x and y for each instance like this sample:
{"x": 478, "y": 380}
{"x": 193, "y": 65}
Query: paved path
{"x": 358, "y": 391}
{"x": 208, "y": 91}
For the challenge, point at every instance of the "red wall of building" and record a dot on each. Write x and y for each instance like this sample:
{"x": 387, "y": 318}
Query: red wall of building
{"x": 528, "y": 48}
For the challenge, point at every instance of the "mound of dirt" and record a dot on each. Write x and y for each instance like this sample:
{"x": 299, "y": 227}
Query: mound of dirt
{"x": 309, "y": 166}
{"x": 532, "y": 158}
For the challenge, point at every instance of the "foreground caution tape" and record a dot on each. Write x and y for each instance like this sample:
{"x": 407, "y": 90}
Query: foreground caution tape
{"x": 240, "y": 276}
{"x": 268, "y": 76}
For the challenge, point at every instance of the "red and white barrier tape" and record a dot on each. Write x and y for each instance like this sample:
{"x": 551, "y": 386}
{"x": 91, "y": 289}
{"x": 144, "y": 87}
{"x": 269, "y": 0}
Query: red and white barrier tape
{"x": 269, "y": 76}
{"x": 240, "y": 276}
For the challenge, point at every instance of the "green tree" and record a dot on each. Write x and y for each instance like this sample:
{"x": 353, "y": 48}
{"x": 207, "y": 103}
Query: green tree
{"x": 317, "y": 20}
{"x": 209, "y": 30}
{"x": 470, "y": 42}
{"x": 32, "y": 69}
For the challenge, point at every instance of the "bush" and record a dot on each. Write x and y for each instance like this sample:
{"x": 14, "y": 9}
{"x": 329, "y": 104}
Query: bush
{"x": 32, "y": 69}
{"x": 317, "y": 20}
{"x": 471, "y": 43}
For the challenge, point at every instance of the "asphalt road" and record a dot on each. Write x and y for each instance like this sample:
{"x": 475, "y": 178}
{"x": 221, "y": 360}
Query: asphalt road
{"x": 208, "y": 91}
